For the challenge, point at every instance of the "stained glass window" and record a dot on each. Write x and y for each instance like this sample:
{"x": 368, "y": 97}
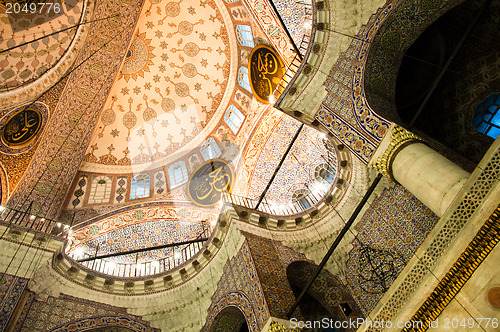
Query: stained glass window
{"x": 243, "y": 78}
{"x": 324, "y": 172}
{"x": 245, "y": 36}
{"x": 140, "y": 186}
{"x": 210, "y": 149}
{"x": 234, "y": 118}
{"x": 100, "y": 191}
{"x": 300, "y": 199}
{"x": 178, "y": 174}
{"x": 487, "y": 116}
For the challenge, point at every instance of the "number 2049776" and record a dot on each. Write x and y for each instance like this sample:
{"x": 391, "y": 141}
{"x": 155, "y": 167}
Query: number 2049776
{"x": 32, "y": 8}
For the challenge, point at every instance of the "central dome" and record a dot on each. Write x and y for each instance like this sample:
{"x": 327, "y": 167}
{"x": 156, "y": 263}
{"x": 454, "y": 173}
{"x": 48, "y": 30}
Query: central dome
{"x": 173, "y": 80}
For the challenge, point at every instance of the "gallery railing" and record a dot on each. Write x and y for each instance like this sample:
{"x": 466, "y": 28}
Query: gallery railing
{"x": 181, "y": 253}
{"x": 25, "y": 221}
{"x": 271, "y": 207}
{"x": 298, "y": 60}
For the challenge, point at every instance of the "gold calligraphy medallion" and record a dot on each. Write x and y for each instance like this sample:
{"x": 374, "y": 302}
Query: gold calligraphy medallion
{"x": 265, "y": 72}
{"x": 209, "y": 181}
{"x": 22, "y": 127}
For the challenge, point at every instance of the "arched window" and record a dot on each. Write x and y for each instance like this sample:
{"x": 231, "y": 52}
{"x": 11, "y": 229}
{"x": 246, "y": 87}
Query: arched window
{"x": 487, "y": 116}
{"x": 243, "y": 78}
{"x": 178, "y": 174}
{"x": 210, "y": 149}
{"x": 140, "y": 186}
{"x": 301, "y": 199}
{"x": 245, "y": 36}
{"x": 324, "y": 172}
{"x": 234, "y": 118}
{"x": 100, "y": 192}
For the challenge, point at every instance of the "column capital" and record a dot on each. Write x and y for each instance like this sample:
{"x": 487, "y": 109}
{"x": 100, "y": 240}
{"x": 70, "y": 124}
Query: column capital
{"x": 398, "y": 138}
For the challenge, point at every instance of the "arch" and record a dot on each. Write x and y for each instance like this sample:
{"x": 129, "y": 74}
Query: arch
{"x": 243, "y": 79}
{"x": 238, "y": 300}
{"x": 401, "y": 68}
{"x": 229, "y": 319}
{"x": 245, "y": 35}
{"x": 178, "y": 174}
{"x": 387, "y": 50}
{"x": 210, "y": 150}
{"x": 100, "y": 322}
{"x": 140, "y": 186}
{"x": 327, "y": 297}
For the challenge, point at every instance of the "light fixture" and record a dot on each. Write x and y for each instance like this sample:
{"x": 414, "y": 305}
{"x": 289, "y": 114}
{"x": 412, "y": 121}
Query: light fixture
{"x": 78, "y": 252}
{"x": 32, "y": 217}
{"x": 2, "y": 208}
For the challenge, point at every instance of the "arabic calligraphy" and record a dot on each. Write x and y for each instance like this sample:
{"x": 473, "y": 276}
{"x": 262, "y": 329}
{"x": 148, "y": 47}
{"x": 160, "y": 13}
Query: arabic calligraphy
{"x": 266, "y": 71}
{"x": 209, "y": 181}
{"x": 22, "y": 127}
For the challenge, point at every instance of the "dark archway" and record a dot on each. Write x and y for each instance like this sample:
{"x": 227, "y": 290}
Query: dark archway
{"x": 327, "y": 297}
{"x": 230, "y": 319}
{"x": 404, "y": 61}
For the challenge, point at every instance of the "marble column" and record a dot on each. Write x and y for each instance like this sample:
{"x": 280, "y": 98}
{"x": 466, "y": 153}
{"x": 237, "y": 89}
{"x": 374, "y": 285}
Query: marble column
{"x": 429, "y": 176}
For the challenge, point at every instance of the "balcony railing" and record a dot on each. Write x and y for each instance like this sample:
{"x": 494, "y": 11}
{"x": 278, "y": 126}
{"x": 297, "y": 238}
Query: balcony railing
{"x": 180, "y": 254}
{"x": 25, "y": 221}
{"x": 298, "y": 59}
{"x": 271, "y": 207}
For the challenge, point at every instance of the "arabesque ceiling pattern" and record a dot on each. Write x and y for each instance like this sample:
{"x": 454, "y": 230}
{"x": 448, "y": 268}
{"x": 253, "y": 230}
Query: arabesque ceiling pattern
{"x": 173, "y": 79}
{"x": 22, "y": 65}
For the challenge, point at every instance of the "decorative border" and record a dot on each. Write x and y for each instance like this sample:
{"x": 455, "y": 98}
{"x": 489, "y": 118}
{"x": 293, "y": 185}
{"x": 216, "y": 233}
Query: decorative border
{"x": 362, "y": 147}
{"x": 477, "y": 251}
{"x": 372, "y": 123}
{"x": 86, "y": 324}
{"x": 9, "y": 303}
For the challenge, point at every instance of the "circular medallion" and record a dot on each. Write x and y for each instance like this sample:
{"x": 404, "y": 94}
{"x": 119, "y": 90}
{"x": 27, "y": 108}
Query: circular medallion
{"x": 149, "y": 115}
{"x": 21, "y": 127}
{"x": 265, "y": 72}
{"x": 191, "y": 49}
{"x": 172, "y": 9}
{"x": 189, "y": 70}
{"x": 209, "y": 181}
{"x": 182, "y": 89}
{"x": 129, "y": 120}
{"x": 167, "y": 105}
{"x": 494, "y": 297}
{"x": 108, "y": 117}
{"x": 185, "y": 28}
